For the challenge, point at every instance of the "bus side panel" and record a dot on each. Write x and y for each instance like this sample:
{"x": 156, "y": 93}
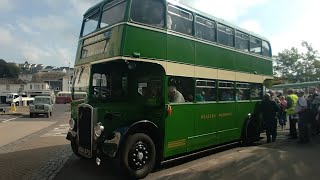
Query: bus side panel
{"x": 206, "y": 130}
{"x": 212, "y": 56}
{"x": 180, "y": 50}
{"x": 178, "y": 127}
{"x": 226, "y": 121}
{"x": 147, "y": 43}
{"x": 262, "y": 66}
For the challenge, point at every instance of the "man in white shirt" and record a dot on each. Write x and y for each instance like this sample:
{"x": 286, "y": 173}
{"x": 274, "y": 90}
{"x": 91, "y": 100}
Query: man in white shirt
{"x": 175, "y": 96}
{"x": 302, "y": 110}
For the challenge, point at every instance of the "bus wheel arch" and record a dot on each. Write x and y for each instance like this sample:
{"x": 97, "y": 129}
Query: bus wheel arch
{"x": 144, "y": 135}
{"x": 250, "y": 130}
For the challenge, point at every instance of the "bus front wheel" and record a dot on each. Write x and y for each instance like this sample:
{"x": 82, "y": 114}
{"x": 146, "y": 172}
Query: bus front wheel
{"x": 138, "y": 156}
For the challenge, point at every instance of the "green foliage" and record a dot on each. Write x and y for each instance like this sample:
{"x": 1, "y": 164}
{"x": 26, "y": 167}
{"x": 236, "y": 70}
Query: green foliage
{"x": 8, "y": 69}
{"x": 292, "y": 66}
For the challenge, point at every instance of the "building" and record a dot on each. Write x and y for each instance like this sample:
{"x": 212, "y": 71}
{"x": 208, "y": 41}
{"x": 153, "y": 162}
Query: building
{"x": 11, "y": 85}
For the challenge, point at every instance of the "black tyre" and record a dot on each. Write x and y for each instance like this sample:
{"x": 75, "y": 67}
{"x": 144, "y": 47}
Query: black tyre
{"x": 50, "y": 113}
{"x": 251, "y": 132}
{"x": 138, "y": 156}
{"x": 31, "y": 115}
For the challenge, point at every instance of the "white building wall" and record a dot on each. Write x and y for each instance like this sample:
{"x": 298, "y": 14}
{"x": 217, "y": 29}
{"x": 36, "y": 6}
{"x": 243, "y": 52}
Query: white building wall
{"x": 11, "y": 88}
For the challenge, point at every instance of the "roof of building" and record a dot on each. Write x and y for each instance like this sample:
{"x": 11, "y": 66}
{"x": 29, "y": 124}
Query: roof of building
{"x": 47, "y": 76}
{"x": 12, "y": 81}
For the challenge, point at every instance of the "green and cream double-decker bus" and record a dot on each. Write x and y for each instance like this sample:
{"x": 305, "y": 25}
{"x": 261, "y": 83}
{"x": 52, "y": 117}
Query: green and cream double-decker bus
{"x": 163, "y": 81}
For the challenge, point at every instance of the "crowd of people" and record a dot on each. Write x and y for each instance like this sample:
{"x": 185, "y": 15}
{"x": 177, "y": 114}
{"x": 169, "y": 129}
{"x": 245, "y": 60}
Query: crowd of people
{"x": 294, "y": 107}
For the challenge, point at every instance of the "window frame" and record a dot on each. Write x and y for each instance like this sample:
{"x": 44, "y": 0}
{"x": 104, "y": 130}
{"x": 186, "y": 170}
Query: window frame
{"x": 88, "y": 15}
{"x": 164, "y": 16}
{"x": 214, "y": 28}
{"x": 206, "y": 86}
{"x": 191, "y": 18}
{"x": 227, "y": 27}
{"x": 246, "y": 88}
{"x": 269, "y": 46}
{"x": 110, "y": 5}
{"x": 231, "y": 87}
{"x": 248, "y": 40}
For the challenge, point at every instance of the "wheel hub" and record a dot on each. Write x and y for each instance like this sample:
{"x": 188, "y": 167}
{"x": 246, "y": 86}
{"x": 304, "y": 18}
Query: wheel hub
{"x": 138, "y": 156}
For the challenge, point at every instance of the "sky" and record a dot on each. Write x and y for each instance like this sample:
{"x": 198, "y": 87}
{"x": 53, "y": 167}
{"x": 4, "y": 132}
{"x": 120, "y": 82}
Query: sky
{"x": 47, "y": 31}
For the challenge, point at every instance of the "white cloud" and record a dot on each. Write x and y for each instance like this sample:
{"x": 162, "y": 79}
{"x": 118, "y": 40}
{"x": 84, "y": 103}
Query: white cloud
{"x": 305, "y": 29}
{"x": 7, "y": 37}
{"x": 6, "y": 5}
{"x": 229, "y": 10}
{"x": 25, "y": 28}
{"x": 251, "y": 25}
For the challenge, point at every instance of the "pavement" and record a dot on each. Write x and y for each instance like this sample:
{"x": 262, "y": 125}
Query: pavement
{"x": 283, "y": 159}
{"x": 27, "y": 144}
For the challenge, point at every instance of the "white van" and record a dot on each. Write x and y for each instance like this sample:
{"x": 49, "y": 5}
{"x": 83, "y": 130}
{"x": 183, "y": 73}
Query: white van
{"x": 22, "y": 100}
{"x": 10, "y": 97}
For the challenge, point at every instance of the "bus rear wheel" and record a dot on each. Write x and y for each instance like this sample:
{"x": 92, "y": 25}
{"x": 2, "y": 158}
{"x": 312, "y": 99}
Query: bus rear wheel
{"x": 138, "y": 156}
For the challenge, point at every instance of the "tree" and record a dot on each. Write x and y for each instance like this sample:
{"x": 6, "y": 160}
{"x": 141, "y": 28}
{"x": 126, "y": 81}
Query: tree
{"x": 8, "y": 69}
{"x": 292, "y": 66}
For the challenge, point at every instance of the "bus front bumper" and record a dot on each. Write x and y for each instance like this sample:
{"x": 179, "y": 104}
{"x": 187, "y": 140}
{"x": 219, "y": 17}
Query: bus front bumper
{"x": 102, "y": 147}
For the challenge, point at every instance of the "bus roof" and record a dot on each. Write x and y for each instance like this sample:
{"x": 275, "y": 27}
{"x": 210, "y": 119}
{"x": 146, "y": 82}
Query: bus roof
{"x": 297, "y": 85}
{"x": 174, "y": 2}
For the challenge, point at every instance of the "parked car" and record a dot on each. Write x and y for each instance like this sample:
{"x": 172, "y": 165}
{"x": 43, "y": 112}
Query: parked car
{"x": 41, "y": 105}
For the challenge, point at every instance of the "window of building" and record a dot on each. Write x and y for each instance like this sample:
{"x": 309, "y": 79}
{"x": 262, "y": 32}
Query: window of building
{"x": 7, "y": 87}
{"x": 266, "y": 50}
{"x": 184, "y": 87}
{"x": 242, "y": 91}
{"x": 42, "y": 86}
{"x": 30, "y": 86}
{"x": 22, "y": 87}
{"x": 150, "y": 12}
{"x": 255, "y": 45}
{"x": 36, "y": 86}
{"x": 226, "y": 91}
{"x": 205, "y": 29}
{"x": 205, "y": 90}
{"x": 225, "y": 35}
{"x": 242, "y": 41}
{"x": 90, "y": 23}
{"x": 179, "y": 20}
{"x": 256, "y": 91}
{"x": 112, "y": 14}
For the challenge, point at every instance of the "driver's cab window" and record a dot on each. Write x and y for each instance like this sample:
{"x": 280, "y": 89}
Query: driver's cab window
{"x": 112, "y": 86}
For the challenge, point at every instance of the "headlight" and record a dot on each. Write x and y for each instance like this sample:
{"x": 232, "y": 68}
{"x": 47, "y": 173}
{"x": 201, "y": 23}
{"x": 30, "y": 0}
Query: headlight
{"x": 98, "y": 129}
{"x": 72, "y": 123}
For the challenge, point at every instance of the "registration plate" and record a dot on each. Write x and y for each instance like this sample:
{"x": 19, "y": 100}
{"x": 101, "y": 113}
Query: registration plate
{"x": 85, "y": 152}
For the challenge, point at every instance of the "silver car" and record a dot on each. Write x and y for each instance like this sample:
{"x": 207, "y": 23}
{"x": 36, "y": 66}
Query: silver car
{"x": 41, "y": 105}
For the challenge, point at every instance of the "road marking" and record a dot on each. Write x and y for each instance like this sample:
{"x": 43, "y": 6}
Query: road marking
{"x": 7, "y": 120}
{"x": 62, "y": 130}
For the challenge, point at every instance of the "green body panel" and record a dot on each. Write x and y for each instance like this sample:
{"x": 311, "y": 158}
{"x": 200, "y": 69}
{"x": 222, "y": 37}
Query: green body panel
{"x": 150, "y": 44}
{"x": 212, "y": 56}
{"x": 162, "y": 46}
{"x": 199, "y": 125}
{"x": 111, "y": 50}
{"x": 180, "y": 49}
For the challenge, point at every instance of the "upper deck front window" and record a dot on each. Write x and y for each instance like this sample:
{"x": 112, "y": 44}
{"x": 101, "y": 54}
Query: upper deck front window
{"x": 112, "y": 14}
{"x": 91, "y": 23}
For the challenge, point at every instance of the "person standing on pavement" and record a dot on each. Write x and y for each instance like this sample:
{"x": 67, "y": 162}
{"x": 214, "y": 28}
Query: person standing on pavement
{"x": 269, "y": 109}
{"x": 303, "y": 124}
{"x": 293, "y": 117}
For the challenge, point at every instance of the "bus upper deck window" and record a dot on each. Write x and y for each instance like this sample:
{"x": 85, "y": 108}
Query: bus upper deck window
{"x": 150, "y": 12}
{"x": 266, "y": 50}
